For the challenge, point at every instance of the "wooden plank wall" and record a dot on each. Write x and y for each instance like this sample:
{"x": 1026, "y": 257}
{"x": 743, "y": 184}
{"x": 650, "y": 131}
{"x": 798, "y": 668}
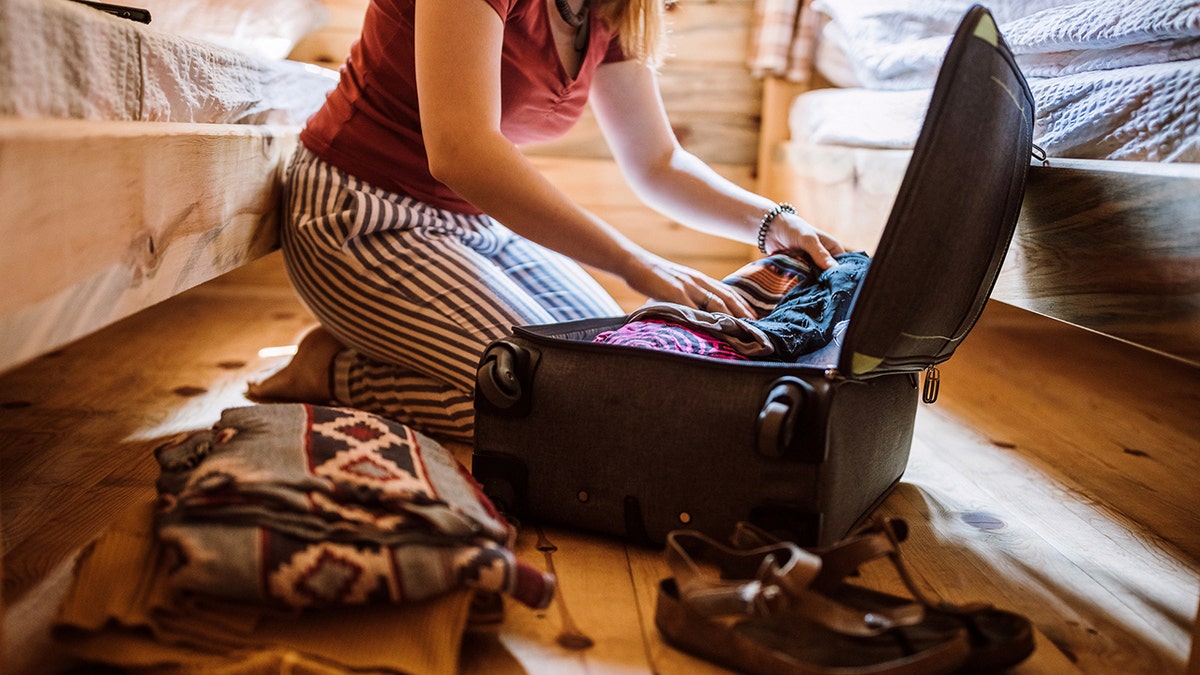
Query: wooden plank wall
{"x": 712, "y": 100}
{"x": 714, "y": 107}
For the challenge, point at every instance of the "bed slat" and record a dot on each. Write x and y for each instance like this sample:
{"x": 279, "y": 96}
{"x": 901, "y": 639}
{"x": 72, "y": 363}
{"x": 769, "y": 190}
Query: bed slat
{"x": 1113, "y": 247}
{"x": 102, "y": 219}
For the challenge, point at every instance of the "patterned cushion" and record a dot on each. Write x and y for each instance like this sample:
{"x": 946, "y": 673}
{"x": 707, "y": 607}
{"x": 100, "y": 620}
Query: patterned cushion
{"x": 310, "y": 506}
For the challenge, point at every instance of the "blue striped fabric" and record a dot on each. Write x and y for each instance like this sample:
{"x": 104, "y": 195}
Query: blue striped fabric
{"x": 416, "y": 293}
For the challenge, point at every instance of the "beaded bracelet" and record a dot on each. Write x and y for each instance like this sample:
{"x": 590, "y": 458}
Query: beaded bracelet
{"x": 767, "y": 219}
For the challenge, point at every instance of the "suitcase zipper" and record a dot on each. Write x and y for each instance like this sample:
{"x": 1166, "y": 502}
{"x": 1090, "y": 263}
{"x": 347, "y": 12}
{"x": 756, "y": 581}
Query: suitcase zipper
{"x": 933, "y": 382}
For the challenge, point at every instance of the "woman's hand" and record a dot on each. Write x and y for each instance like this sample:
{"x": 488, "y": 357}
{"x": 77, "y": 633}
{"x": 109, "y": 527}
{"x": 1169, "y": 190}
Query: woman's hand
{"x": 663, "y": 280}
{"x": 789, "y": 232}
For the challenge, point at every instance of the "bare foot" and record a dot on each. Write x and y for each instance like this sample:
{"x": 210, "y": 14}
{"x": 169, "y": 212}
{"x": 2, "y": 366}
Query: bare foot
{"x": 305, "y": 378}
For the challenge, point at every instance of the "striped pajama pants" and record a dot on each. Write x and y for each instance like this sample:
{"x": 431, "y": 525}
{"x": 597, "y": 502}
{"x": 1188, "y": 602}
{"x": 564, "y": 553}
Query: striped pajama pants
{"x": 416, "y": 293}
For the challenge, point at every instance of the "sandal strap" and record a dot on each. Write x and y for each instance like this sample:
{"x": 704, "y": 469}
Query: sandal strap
{"x": 772, "y": 580}
{"x": 843, "y": 559}
{"x": 877, "y": 539}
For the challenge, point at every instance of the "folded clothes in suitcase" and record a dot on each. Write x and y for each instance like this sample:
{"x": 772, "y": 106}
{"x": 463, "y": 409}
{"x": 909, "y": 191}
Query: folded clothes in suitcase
{"x": 637, "y": 442}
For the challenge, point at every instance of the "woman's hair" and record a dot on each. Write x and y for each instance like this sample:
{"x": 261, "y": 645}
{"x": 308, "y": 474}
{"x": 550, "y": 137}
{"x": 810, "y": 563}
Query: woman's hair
{"x": 639, "y": 24}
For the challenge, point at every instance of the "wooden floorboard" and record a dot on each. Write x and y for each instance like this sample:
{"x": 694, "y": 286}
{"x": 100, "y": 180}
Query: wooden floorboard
{"x": 1056, "y": 477}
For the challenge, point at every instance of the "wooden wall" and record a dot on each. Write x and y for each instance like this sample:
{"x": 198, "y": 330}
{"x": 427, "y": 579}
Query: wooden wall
{"x": 713, "y": 104}
{"x": 712, "y": 101}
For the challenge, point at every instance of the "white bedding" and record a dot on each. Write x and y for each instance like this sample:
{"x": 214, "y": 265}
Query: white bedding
{"x": 1140, "y": 113}
{"x": 1113, "y": 79}
{"x": 61, "y": 59}
{"x": 898, "y": 44}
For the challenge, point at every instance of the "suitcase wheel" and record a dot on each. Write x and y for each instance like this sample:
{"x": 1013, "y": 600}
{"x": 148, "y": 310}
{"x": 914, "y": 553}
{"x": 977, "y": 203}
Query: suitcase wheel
{"x": 502, "y": 494}
{"x": 777, "y": 419}
{"x": 498, "y": 380}
{"x": 504, "y": 479}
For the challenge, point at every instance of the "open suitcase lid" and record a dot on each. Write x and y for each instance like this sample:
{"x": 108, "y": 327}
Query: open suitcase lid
{"x": 954, "y": 216}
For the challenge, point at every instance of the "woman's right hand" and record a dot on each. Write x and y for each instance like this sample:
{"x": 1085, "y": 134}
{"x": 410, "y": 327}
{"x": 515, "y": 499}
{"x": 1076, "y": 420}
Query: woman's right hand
{"x": 666, "y": 281}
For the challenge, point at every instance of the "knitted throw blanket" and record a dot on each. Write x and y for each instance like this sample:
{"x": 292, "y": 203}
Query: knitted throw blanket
{"x": 310, "y": 506}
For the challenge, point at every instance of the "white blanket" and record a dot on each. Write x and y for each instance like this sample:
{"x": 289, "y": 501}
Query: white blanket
{"x": 61, "y": 59}
{"x": 1112, "y": 79}
{"x": 899, "y": 44}
{"x": 1142, "y": 113}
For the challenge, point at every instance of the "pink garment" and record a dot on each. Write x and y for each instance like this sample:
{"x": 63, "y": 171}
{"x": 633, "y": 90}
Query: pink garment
{"x": 671, "y": 337}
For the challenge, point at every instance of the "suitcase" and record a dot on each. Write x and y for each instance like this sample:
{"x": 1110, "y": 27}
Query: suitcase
{"x": 636, "y": 442}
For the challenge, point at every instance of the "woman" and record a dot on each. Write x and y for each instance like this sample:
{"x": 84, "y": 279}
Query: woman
{"x": 394, "y": 238}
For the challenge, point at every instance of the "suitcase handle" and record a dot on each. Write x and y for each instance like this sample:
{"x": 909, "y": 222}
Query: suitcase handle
{"x": 777, "y": 419}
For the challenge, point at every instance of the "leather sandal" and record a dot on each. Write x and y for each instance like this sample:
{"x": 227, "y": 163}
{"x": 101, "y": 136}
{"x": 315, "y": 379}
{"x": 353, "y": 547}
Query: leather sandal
{"x": 999, "y": 639}
{"x": 757, "y": 611}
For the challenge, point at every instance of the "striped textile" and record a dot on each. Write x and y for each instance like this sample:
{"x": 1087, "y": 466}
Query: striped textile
{"x": 416, "y": 293}
{"x": 763, "y": 282}
{"x": 783, "y": 40}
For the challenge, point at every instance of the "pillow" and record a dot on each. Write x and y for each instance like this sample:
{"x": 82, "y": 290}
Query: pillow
{"x": 303, "y": 506}
{"x": 265, "y": 28}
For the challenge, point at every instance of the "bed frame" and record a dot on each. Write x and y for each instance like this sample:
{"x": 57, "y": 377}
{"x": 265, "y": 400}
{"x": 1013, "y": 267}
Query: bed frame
{"x": 102, "y": 219}
{"x": 1111, "y": 246}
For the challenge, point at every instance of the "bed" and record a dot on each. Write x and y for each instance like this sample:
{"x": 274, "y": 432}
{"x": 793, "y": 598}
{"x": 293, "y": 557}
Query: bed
{"x": 1108, "y": 237}
{"x": 137, "y": 161}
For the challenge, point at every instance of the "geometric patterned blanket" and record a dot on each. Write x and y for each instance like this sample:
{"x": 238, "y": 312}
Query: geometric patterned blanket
{"x": 311, "y": 506}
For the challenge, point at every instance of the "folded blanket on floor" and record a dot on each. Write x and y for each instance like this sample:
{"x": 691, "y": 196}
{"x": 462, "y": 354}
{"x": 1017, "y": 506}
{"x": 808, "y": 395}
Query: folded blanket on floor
{"x": 122, "y": 611}
{"x": 311, "y": 506}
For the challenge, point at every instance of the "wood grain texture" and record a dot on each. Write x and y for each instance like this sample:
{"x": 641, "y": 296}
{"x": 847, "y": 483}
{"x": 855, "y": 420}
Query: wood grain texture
{"x": 1110, "y": 431}
{"x": 1113, "y": 247}
{"x": 710, "y": 97}
{"x": 1038, "y": 482}
{"x": 102, "y": 219}
{"x": 1193, "y": 667}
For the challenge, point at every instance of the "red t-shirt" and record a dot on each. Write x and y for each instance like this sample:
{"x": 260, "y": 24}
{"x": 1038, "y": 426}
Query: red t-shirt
{"x": 370, "y": 126}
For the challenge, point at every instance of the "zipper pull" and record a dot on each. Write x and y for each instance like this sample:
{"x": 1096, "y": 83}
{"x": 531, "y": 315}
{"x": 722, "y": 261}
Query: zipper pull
{"x": 933, "y": 382}
{"x": 1040, "y": 155}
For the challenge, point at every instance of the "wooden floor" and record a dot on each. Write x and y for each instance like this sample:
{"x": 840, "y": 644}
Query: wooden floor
{"x": 1058, "y": 475}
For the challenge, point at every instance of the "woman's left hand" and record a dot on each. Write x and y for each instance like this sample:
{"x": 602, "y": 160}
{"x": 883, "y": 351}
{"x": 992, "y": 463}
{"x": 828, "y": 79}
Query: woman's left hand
{"x": 789, "y": 232}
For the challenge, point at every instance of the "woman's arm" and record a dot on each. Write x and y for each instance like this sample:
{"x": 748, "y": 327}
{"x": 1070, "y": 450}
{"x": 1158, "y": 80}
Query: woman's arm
{"x": 458, "y": 47}
{"x": 628, "y": 106}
